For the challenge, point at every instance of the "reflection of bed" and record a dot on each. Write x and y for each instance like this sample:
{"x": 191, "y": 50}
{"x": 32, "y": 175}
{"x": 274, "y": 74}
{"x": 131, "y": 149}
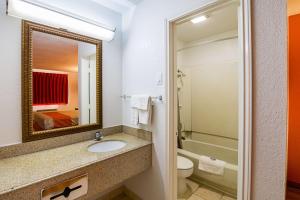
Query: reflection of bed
{"x": 54, "y": 119}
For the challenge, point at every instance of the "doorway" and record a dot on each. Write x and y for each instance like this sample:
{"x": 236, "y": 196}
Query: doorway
{"x": 210, "y": 102}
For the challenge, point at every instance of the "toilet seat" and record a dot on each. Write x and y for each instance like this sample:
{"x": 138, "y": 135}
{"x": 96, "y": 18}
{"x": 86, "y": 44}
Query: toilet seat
{"x": 184, "y": 163}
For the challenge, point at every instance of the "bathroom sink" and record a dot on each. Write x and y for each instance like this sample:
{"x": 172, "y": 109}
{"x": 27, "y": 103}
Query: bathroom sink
{"x": 106, "y": 146}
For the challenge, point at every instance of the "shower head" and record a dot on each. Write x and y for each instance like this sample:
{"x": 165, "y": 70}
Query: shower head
{"x": 180, "y": 73}
{"x": 180, "y": 76}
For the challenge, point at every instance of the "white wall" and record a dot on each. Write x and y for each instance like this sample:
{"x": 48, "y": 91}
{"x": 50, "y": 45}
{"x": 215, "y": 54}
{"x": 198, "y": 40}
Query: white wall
{"x": 212, "y": 69}
{"x": 10, "y": 63}
{"x": 215, "y": 99}
{"x": 144, "y": 56}
{"x": 269, "y": 29}
{"x": 10, "y": 78}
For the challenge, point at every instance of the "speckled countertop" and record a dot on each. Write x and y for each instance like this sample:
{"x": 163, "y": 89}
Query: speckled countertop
{"x": 20, "y": 171}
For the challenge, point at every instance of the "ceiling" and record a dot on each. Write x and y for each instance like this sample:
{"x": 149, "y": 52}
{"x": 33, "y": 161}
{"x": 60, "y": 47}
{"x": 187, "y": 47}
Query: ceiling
{"x": 219, "y": 21}
{"x": 119, "y": 6}
{"x": 52, "y": 52}
{"x": 135, "y": 1}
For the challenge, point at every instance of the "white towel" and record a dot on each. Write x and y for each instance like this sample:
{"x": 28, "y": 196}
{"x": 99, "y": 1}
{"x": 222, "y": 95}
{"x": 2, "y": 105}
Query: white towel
{"x": 134, "y": 116}
{"x": 212, "y": 166}
{"x": 145, "y": 116}
{"x": 141, "y": 109}
{"x": 135, "y": 101}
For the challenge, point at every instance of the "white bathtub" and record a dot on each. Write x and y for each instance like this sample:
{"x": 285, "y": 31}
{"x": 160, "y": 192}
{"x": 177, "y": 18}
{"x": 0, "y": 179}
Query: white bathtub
{"x": 192, "y": 149}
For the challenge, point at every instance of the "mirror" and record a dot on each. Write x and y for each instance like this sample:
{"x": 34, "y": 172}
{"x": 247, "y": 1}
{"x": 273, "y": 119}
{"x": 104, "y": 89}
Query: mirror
{"x": 61, "y": 82}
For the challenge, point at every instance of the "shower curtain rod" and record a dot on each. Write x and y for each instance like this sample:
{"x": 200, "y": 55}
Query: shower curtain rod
{"x": 207, "y": 42}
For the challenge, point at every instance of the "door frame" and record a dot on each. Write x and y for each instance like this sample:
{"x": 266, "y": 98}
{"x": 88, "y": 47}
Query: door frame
{"x": 245, "y": 124}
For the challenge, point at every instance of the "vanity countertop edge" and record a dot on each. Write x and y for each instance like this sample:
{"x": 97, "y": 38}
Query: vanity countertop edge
{"x": 25, "y": 170}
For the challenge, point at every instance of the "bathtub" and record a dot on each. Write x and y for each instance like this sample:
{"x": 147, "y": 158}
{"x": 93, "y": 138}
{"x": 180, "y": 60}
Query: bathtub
{"x": 192, "y": 149}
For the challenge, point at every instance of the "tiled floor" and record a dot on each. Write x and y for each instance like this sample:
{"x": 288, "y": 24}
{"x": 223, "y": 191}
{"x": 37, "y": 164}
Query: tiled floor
{"x": 204, "y": 193}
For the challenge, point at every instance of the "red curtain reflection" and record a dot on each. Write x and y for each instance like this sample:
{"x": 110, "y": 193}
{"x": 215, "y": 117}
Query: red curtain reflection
{"x": 49, "y": 88}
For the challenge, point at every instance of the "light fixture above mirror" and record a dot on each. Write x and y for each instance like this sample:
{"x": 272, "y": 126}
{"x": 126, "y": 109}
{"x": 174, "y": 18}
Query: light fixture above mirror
{"x": 40, "y": 13}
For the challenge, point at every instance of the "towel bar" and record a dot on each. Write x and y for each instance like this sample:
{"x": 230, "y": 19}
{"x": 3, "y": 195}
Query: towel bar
{"x": 159, "y": 98}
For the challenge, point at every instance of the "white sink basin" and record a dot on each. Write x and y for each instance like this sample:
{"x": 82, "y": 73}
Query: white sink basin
{"x": 106, "y": 146}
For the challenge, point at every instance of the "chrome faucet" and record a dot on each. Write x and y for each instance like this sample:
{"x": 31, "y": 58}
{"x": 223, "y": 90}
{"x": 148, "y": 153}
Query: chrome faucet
{"x": 99, "y": 136}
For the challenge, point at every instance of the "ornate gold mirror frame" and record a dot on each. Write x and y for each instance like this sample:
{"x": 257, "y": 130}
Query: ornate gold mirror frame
{"x": 27, "y": 118}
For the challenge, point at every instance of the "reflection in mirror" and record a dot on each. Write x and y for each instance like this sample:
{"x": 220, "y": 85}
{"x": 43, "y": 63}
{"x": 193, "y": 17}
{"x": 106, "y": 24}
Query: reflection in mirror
{"x": 63, "y": 82}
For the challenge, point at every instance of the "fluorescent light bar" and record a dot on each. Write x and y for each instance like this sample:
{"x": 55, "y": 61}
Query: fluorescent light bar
{"x": 45, "y": 15}
{"x": 199, "y": 19}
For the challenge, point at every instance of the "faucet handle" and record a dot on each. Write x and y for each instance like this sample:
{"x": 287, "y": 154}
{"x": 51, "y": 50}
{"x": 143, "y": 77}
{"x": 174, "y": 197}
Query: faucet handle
{"x": 99, "y": 135}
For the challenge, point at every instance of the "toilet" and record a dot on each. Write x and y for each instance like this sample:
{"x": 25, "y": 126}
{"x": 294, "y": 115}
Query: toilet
{"x": 185, "y": 168}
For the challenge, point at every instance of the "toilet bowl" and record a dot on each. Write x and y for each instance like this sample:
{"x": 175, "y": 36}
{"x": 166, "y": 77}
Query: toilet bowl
{"x": 185, "y": 168}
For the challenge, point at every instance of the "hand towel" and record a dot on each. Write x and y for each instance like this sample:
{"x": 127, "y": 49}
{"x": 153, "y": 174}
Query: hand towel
{"x": 145, "y": 116}
{"x": 134, "y": 115}
{"x": 211, "y": 165}
{"x": 141, "y": 109}
{"x": 135, "y": 101}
